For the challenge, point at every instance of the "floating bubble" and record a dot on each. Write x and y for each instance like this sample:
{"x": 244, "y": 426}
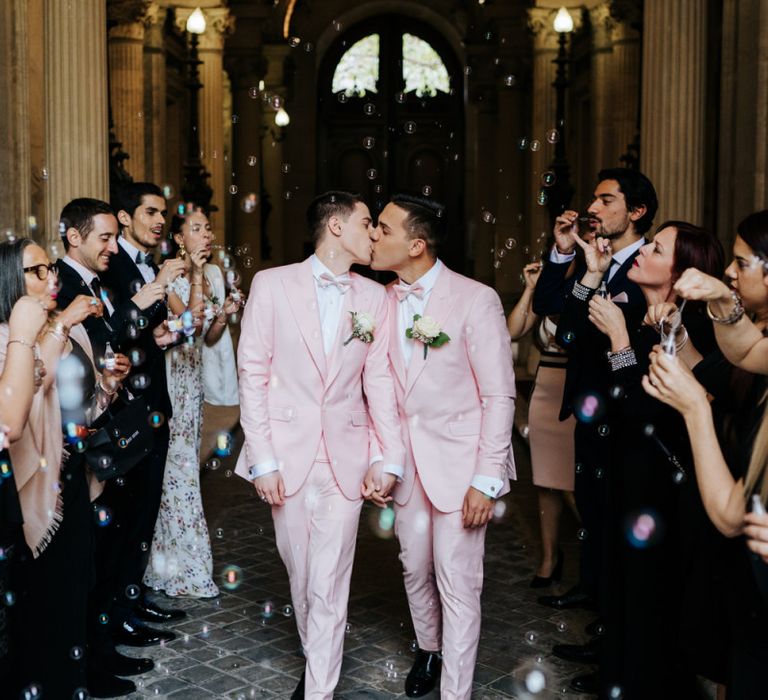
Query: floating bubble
{"x": 251, "y": 160}
{"x": 32, "y": 692}
{"x": 76, "y": 653}
{"x": 369, "y": 142}
{"x": 223, "y": 444}
{"x": 9, "y": 598}
{"x": 103, "y": 619}
{"x": 342, "y": 97}
{"x": 569, "y": 337}
{"x": 548, "y": 178}
{"x": 535, "y": 145}
{"x": 426, "y": 190}
{"x": 219, "y": 533}
{"x": 409, "y": 127}
{"x": 535, "y": 681}
{"x": 589, "y": 408}
{"x": 247, "y": 262}
{"x": 285, "y": 168}
{"x": 542, "y": 198}
{"x": 308, "y": 47}
{"x": 140, "y": 382}
{"x": 249, "y": 203}
{"x": 80, "y": 694}
{"x": 288, "y": 194}
{"x": 382, "y": 522}
{"x": 581, "y": 534}
{"x": 642, "y": 529}
{"x": 510, "y": 244}
{"x": 678, "y": 476}
{"x": 276, "y": 102}
{"x": 531, "y": 637}
{"x": 231, "y": 577}
{"x": 213, "y": 464}
{"x": 617, "y": 392}
{"x": 553, "y": 136}
{"x": 132, "y": 591}
{"x": 604, "y": 430}
{"x": 372, "y": 173}
{"x": 287, "y": 610}
{"x": 337, "y": 26}
{"x": 522, "y": 143}
{"x": 468, "y": 70}
{"x": 253, "y": 92}
{"x": 233, "y": 189}
{"x": 562, "y": 626}
{"x": 267, "y": 610}
{"x": 369, "y": 108}
{"x": 294, "y": 41}
{"x": 488, "y": 217}
{"x": 401, "y": 97}
{"x": 156, "y": 419}
{"x": 510, "y": 80}
{"x": 103, "y": 516}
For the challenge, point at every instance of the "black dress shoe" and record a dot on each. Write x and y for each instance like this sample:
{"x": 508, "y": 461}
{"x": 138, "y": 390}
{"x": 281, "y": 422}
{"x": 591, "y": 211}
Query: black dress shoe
{"x": 572, "y": 598}
{"x": 102, "y": 684}
{"x": 424, "y": 673}
{"x": 580, "y": 653}
{"x": 147, "y": 611}
{"x": 556, "y": 575}
{"x": 596, "y": 628}
{"x": 125, "y": 665}
{"x": 587, "y": 684}
{"x": 298, "y": 694}
{"x": 133, "y": 634}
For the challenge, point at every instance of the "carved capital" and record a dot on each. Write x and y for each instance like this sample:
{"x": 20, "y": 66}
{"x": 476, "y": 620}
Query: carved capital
{"x": 126, "y": 11}
{"x": 218, "y": 24}
{"x": 603, "y": 25}
{"x": 541, "y": 23}
{"x": 155, "y": 15}
{"x": 131, "y": 31}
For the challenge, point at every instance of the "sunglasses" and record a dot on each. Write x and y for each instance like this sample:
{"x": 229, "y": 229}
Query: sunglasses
{"x": 42, "y": 271}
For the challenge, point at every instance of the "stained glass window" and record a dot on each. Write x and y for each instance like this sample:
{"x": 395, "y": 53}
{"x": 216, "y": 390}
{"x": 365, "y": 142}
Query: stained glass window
{"x": 423, "y": 70}
{"x": 358, "y": 70}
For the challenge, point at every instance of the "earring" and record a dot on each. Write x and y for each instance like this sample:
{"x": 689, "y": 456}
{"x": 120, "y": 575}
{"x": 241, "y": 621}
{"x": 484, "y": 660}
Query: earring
{"x": 182, "y": 251}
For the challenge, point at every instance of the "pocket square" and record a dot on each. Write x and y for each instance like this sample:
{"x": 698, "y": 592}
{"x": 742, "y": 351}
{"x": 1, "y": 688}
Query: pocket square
{"x": 620, "y": 298}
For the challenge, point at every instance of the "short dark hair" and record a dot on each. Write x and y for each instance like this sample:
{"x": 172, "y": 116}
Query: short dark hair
{"x": 326, "y": 205}
{"x": 754, "y": 231}
{"x": 696, "y": 247}
{"x": 79, "y": 214}
{"x": 425, "y": 220}
{"x": 638, "y": 191}
{"x": 13, "y": 286}
{"x": 127, "y": 196}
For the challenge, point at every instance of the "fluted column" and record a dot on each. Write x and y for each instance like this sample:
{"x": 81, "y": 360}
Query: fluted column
{"x": 624, "y": 86}
{"x": 154, "y": 95}
{"x": 673, "y": 105}
{"x": 126, "y": 88}
{"x": 211, "y": 52}
{"x": 601, "y": 85}
{"x": 76, "y": 143}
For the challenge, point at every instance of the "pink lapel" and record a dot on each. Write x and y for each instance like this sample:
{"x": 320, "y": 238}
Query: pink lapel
{"x": 438, "y": 307}
{"x": 395, "y": 353}
{"x": 353, "y": 301}
{"x": 302, "y": 298}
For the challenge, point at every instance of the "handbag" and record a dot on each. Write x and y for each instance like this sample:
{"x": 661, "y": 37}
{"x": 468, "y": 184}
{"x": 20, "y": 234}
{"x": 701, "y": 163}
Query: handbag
{"x": 119, "y": 438}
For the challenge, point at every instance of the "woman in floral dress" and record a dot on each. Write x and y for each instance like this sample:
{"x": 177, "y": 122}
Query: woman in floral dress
{"x": 181, "y": 563}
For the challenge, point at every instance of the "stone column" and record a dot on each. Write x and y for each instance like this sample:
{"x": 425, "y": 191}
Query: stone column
{"x": 625, "y": 87}
{"x": 76, "y": 145}
{"x": 673, "y": 105}
{"x": 126, "y": 89}
{"x": 154, "y": 94}
{"x": 602, "y": 86}
{"x": 211, "y": 52}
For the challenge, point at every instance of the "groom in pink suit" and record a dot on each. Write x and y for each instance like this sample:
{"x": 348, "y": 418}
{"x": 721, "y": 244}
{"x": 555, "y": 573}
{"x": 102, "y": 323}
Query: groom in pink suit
{"x": 451, "y": 356}
{"x": 315, "y": 392}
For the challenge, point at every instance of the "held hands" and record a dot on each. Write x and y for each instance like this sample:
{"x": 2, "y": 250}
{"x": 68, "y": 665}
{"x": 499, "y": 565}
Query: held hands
{"x": 169, "y": 271}
{"x": 670, "y": 381}
{"x": 377, "y": 486}
{"x": 608, "y": 319}
{"x": 477, "y": 508}
{"x": 531, "y": 273}
{"x": 270, "y": 488}
{"x": 82, "y": 307}
{"x": 756, "y": 530}
{"x": 566, "y": 229}
{"x": 27, "y": 319}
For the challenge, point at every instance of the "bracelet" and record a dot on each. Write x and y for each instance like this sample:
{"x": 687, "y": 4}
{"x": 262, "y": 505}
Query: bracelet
{"x": 26, "y": 344}
{"x": 682, "y": 343}
{"x": 582, "y": 292}
{"x": 621, "y": 358}
{"x": 61, "y": 327}
{"x": 735, "y": 315}
{"x": 105, "y": 390}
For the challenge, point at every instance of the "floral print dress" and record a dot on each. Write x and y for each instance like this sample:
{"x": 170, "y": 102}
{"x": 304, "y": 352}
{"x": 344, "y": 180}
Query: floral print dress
{"x": 181, "y": 563}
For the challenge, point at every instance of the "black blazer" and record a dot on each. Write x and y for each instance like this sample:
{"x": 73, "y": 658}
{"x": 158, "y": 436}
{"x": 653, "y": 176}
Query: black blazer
{"x": 587, "y": 370}
{"x": 123, "y": 279}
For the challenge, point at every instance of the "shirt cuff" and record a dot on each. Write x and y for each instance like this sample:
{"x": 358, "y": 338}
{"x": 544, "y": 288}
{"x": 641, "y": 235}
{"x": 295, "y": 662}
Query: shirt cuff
{"x": 556, "y": 256}
{"x": 396, "y": 470}
{"x": 489, "y": 485}
{"x": 374, "y": 459}
{"x": 263, "y": 468}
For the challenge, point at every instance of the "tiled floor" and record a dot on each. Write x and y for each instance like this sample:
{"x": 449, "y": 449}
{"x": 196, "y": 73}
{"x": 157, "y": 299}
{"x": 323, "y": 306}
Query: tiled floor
{"x": 244, "y": 644}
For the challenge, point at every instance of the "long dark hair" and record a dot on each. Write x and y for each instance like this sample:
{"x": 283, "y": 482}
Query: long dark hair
{"x": 754, "y": 232}
{"x": 695, "y": 247}
{"x": 13, "y": 286}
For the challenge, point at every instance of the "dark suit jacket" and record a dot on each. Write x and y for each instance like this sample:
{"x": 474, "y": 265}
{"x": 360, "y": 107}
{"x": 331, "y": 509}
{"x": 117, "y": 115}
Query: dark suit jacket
{"x": 587, "y": 370}
{"x": 123, "y": 279}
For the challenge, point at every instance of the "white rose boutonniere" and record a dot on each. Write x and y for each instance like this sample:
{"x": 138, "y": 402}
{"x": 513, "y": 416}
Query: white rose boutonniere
{"x": 363, "y": 326}
{"x": 427, "y": 331}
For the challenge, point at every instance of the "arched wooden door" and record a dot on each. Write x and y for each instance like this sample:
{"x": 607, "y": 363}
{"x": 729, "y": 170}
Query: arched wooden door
{"x": 391, "y": 119}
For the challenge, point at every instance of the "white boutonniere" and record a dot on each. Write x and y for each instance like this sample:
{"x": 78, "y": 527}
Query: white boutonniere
{"x": 427, "y": 331}
{"x": 363, "y": 326}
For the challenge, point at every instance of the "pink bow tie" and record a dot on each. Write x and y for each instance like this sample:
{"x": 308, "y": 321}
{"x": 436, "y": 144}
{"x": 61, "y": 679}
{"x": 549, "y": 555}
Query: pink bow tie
{"x": 402, "y": 290}
{"x": 343, "y": 282}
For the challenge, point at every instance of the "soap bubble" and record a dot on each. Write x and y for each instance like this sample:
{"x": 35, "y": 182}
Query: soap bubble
{"x": 231, "y": 577}
{"x": 410, "y": 127}
{"x": 369, "y": 142}
{"x": 510, "y": 80}
{"x": 589, "y": 408}
{"x": 426, "y": 190}
{"x": 535, "y": 145}
{"x": 510, "y": 244}
{"x": 369, "y": 108}
{"x": 233, "y": 189}
{"x": 294, "y": 41}
{"x": 642, "y": 529}
{"x": 548, "y": 178}
{"x": 542, "y": 198}
{"x": 372, "y": 173}
{"x": 553, "y": 136}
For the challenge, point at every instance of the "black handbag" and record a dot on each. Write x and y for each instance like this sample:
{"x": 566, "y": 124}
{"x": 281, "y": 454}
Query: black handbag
{"x": 119, "y": 438}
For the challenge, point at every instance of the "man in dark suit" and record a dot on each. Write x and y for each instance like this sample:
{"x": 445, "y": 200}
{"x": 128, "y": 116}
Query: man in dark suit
{"x": 622, "y": 211}
{"x": 89, "y": 231}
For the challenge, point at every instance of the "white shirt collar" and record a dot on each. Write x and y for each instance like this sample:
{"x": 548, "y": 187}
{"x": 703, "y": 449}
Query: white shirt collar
{"x": 429, "y": 278}
{"x": 625, "y": 253}
{"x": 319, "y": 267}
{"x": 129, "y": 248}
{"x": 81, "y": 270}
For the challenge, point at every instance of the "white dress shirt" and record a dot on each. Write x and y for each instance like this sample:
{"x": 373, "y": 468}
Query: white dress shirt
{"x": 88, "y": 277}
{"x": 146, "y": 271}
{"x": 617, "y": 261}
{"x": 219, "y": 364}
{"x": 410, "y": 306}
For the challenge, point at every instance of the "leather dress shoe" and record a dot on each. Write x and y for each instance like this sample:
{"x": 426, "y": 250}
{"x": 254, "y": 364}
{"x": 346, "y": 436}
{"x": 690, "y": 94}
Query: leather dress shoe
{"x": 580, "y": 653}
{"x": 596, "y": 628}
{"x": 134, "y": 634}
{"x": 572, "y": 598}
{"x": 557, "y": 574}
{"x": 102, "y": 684}
{"x": 122, "y": 665}
{"x": 298, "y": 694}
{"x": 147, "y": 611}
{"x": 587, "y": 684}
{"x": 424, "y": 673}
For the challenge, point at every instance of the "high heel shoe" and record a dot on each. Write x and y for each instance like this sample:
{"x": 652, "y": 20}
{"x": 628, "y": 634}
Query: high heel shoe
{"x": 556, "y": 575}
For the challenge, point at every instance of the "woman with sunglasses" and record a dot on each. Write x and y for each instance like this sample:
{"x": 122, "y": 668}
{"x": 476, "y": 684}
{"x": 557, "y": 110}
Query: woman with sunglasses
{"x": 54, "y": 558}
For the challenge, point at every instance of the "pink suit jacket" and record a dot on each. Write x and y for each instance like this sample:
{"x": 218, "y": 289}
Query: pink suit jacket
{"x": 457, "y": 406}
{"x": 291, "y": 393}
